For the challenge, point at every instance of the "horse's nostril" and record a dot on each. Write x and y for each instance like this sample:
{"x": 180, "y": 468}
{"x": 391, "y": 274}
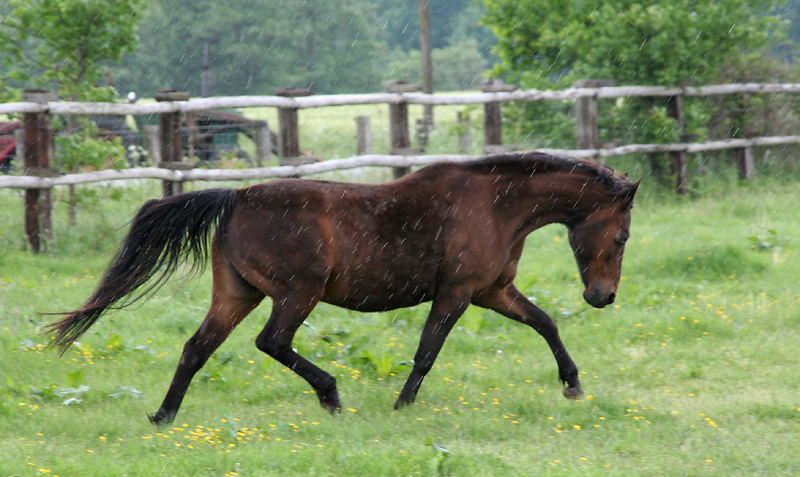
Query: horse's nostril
{"x": 611, "y": 298}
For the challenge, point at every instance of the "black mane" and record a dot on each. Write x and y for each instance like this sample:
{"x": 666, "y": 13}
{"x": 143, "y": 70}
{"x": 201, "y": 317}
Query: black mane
{"x": 534, "y": 162}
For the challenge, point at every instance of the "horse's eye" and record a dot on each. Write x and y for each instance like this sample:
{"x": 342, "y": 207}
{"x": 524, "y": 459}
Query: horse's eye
{"x": 622, "y": 237}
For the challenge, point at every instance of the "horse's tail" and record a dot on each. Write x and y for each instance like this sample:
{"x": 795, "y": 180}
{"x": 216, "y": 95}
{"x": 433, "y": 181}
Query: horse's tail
{"x": 163, "y": 234}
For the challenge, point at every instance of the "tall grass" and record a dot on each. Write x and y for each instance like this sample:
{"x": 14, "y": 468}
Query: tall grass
{"x": 692, "y": 372}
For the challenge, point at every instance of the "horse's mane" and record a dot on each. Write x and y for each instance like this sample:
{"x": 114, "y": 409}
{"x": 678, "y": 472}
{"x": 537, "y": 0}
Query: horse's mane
{"x": 529, "y": 163}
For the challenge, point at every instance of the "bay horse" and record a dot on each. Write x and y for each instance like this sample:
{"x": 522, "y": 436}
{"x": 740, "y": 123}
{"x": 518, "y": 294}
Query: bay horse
{"x": 450, "y": 233}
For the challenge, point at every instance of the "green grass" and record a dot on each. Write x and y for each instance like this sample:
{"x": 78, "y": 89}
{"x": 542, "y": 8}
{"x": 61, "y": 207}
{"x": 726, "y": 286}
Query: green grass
{"x": 692, "y": 372}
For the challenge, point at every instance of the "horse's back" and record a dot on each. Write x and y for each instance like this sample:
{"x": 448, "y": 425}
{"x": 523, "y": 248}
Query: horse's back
{"x": 372, "y": 247}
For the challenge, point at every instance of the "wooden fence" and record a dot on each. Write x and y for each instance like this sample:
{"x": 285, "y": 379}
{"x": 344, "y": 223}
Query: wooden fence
{"x": 38, "y": 107}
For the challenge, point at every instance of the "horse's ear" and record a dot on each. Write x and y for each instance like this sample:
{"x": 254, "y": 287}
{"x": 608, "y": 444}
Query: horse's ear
{"x": 635, "y": 187}
{"x": 629, "y": 194}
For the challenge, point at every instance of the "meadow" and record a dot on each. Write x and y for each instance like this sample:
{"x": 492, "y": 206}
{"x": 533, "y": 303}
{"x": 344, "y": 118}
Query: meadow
{"x": 692, "y": 372}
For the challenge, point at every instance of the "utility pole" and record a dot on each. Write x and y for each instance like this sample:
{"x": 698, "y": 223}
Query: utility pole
{"x": 425, "y": 50}
{"x": 205, "y": 79}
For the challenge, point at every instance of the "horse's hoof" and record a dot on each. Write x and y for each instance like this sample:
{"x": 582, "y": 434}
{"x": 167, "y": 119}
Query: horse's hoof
{"x": 401, "y": 403}
{"x": 160, "y": 418}
{"x": 333, "y": 407}
{"x": 573, "y": 392}
{"x": 330, "y": 402}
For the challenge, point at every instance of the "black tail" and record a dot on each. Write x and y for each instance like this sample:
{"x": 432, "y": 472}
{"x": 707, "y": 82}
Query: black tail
{"x": 162, "y": 235}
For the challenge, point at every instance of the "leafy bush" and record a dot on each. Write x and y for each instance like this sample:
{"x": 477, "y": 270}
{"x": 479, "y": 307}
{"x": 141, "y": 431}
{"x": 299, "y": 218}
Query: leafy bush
{"x": 83, "y": 151}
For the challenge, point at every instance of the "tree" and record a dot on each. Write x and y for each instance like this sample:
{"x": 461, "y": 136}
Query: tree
{"x": 256, "y": 46}
{"x": 662, "y": 42}
{"x": 66, "y": 45}
{"x": 546, "y": 44}
{"x": 458, "y": 67}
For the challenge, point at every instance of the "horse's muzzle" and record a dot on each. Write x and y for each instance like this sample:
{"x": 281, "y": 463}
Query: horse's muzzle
{"x": 599, "y": 298}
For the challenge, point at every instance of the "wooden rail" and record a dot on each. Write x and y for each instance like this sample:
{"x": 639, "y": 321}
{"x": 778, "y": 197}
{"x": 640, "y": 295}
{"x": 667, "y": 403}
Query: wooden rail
{"x": 39, "y": 178}
{"x": 201, "y": 104}
{"x": 370, "y": 160}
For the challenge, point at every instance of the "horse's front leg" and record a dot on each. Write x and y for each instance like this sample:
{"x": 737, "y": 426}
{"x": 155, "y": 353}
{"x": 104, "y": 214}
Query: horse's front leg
{"x": 510, "y": 302}
{"x": 447, "y": 308}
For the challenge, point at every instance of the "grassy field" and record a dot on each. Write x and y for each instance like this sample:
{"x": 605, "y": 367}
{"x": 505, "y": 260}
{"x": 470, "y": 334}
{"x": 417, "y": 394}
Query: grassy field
{"x": 692, "y": 372}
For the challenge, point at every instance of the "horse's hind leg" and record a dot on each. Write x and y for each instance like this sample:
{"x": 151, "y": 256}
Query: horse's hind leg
{"x": 275, "y": 339}
{"x": 224, "y": 315}
{"x": 232, "y": 300}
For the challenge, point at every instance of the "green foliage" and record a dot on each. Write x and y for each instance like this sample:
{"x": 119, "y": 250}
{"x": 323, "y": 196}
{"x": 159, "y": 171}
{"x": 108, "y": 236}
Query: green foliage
{"x": 255, "y": 46}
{"x": 652, "y": 43}
{"x": 84, "y": 150}
{"x": 383, "y": 362}
{"x": 551, "y": 45}
{"x": 660, "y": 127}
{"x": 769, "y": 240}
{"x": 452, "y": 21}
{"x": 64, "y": 45}
{"x": 457, "y": 67}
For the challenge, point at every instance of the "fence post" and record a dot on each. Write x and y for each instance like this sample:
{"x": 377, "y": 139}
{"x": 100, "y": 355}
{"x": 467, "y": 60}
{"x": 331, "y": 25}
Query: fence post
{"x": 38, "y": 151}
{"x": 170, "y": 139}
{"x": 363, "y": 136}
{"x": 746, "y": 164}
{"x": 464, "y": 132}
{"x": 263, "y": 139}
{"x": 150, "y": 136}
{"x": 422, "y": 132}
{"x": 400, "y": 140}
{"x": 19, "y": 138}
{"x": 678, "y": 158}
{"x": 586, "y": 116}
{"x": 493, "y": 117}
{"x": 289, "y": 134}
{"x": 744, "y": 156}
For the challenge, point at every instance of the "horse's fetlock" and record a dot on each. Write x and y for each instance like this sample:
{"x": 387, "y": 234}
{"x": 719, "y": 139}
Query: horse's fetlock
{"x": 423, "y": 366}
{"x": 324, "y": 384}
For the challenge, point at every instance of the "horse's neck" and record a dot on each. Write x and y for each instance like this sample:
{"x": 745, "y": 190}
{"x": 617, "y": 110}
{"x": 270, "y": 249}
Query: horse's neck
{"x": 536, "y": 201}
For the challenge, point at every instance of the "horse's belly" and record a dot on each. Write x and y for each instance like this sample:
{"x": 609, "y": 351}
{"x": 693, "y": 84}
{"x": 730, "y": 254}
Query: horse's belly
{"x": 378, "y": 288}
{"x": 369, "y": 303}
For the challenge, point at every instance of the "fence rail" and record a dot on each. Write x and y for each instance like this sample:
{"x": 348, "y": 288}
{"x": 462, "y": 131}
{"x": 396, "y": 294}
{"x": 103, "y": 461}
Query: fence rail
{"x": 371, "y": 160}
{"x": 306, "y": 102}
{"x": 39, "y": 106}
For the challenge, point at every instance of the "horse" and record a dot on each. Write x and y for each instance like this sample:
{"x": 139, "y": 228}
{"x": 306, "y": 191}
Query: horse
{"x": 451, "y": 233}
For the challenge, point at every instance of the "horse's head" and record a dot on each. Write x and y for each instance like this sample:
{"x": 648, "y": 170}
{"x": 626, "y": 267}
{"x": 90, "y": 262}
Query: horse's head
{"x": 598, "y": 241}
